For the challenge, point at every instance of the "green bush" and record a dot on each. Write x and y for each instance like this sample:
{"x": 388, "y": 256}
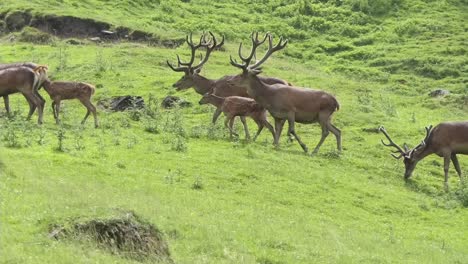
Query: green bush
{"x": 33, "y": 35}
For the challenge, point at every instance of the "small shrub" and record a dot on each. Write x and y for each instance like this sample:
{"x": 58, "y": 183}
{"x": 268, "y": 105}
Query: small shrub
{"x": 179, "y": 144}
{"x": 197, "y": 184}
{"x": 33, "y": 35}
{"x": 61, "y": 136}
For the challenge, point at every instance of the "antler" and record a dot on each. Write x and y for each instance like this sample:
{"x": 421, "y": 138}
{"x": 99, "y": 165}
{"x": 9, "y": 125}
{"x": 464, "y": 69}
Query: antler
{"x": 270, "y": 51}
{"x": 246, "y": 60}
{"x": 428, "y": 133}
{"x": 187, "y": 66}
{"x": 392, "y": 144}
{"x": 209, "y": 50}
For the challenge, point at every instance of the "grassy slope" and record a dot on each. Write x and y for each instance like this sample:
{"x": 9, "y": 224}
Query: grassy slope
{"x": 257, "y": 204}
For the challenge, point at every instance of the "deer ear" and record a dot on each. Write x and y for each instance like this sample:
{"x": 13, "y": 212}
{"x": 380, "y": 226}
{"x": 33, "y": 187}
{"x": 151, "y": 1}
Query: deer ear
{"x": 197, "y": 71}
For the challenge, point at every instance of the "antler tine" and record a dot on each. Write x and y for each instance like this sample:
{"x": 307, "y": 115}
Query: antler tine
{"x": 391, "y": 143}
{"x": 177, "y": 69}
{"x": 271, "y": 49}
{"x": 397, "y": 157}
{"x": 209, "y": 49}
{"x": 428, "y": 133}
{"x": 236, "y": 64}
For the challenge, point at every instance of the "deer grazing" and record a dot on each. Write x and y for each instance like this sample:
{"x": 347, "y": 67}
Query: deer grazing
{"x": 32, "y": 106}
{"x": 59, "y": 91}
{"x": 445, "y": 140}
{"x": 25, "y": 81}
{"x": 233, "y": 106}
{"x": 284, "y": 102}
{"x": 223, "y": 87}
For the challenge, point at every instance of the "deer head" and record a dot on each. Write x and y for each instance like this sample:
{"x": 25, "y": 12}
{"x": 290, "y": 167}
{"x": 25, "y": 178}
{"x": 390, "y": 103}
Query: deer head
{"x": 410, "y": 156}
{"x": 189, "y": 70}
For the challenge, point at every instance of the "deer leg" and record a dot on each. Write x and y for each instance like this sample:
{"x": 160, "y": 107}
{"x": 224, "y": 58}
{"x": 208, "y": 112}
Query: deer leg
{"x": 260, "y": 127}
{"x": 91, "y": 109}
{"x": 57, "y": 111}
{"x": 6, "y": 100}
{"x": 291, "y": 122}
{"x": 40, "y": 102}
{"x": 324, "y": 119}
{"x": 34, "y": 101}
{"x": 32, "y": 108}
{"x": 244, "y": 122}
{"x": 279, "y": 123}
{"x": 216, "y": 115}
{"x": 337, "y": 134}
{"x": 457, "y": 165}
{"x": 229, "y": 119}
{"x": 53, "y": 110}
{"x": 268, "y": 126}
{"x": 446, "y": 170}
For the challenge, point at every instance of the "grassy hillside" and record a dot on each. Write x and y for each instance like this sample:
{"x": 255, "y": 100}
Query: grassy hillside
{"x": 223, "y": 201}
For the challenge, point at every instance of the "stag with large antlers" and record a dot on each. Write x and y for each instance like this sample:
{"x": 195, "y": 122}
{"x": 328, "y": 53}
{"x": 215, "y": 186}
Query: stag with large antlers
{"x": 223, "y": 87}
{"x": 446, "y": 140}
{"x": 284, "y": 102}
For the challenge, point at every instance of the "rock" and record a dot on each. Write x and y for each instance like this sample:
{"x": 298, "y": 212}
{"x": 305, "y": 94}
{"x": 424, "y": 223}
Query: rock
{"x": 439, "y": 93}
{"x": 172, "y": 101}
{"x": 122, "y": 103}
{"x": 95, "y": 39}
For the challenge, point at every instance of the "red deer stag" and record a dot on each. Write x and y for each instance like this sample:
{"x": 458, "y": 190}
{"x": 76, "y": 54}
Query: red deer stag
{"x": 223, "y": 87}
{"x": 32, "y": 106}
{"x": 284, "y": 102}
{"x": 446, "y": 140}
{"x": 23, "y": 80}
{"x": 233, "y": 106}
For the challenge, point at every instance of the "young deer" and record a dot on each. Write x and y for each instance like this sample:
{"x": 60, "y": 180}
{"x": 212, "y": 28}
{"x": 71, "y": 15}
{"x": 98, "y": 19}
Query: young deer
{"x": 6, "y": 99}
{"x": 233, "y": 106}
{"x": 446, "y": 140}
{"x": 22, "y": 80}
{"x": 59, "y": 91}
{"x": 284, "y": 102}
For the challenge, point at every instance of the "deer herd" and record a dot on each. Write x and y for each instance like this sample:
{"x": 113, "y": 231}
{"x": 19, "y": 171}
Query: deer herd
{"x": 247, "y": 94}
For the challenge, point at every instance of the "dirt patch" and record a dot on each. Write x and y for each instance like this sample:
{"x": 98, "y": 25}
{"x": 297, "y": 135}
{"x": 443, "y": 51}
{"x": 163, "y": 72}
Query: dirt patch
{"x": 126, "y": 236}
{"x": 76, "y": 27}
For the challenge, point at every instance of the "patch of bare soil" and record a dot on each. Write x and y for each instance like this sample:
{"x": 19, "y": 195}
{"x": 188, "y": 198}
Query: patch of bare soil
{"x": 127, "y": 236}
{"x": 76, "y": 27}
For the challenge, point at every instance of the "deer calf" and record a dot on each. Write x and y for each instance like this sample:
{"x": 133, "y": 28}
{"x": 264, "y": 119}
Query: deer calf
{"x": 446, "y": 140}
{"x": 233, "y": 106}
{"x": 59, "y": 91}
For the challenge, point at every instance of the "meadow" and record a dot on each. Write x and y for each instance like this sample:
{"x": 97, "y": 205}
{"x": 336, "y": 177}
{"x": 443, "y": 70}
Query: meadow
{"x": 218, "y": 200}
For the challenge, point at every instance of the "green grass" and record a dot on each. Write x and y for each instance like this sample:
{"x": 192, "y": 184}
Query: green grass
{"x": 222, "y": 201}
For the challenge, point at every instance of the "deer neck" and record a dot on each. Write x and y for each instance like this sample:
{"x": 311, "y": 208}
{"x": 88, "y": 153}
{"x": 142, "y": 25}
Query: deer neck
{"x": 47, "y": 85}
{"x": 216, "y": 100}
{"x": 257, "y": 89}
{"x": 202, "y": 85}
{"x": 421, "y": 154}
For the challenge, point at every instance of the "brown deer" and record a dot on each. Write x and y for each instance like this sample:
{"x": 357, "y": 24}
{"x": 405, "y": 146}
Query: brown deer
{"x": 22, "y": 80}
{"x": 233, "y": 106}
{"x": 32, "y": 106}
{"x": 59, "y": 91}
{"x": 446, "y": 140}
{"x": 284, "y": 102}
{"x": 223, "y": 87}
